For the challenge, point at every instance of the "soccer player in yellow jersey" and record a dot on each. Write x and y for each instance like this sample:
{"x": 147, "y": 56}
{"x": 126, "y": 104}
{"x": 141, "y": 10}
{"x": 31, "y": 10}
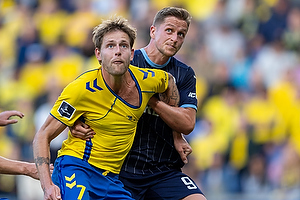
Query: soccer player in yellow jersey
{"x": 110, "y": 99}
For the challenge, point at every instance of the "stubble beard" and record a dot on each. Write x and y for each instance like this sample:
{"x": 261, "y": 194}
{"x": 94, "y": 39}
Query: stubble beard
{"x": 118, "y": 69}
{"x": 169, "y": 51}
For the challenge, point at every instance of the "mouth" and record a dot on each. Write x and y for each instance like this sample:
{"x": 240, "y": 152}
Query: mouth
{"x": 117, "y": 62}
{"x": 172, "y": 46}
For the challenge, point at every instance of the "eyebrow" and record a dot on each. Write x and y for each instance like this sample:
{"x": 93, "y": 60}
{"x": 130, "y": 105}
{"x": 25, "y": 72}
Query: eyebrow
{"x": 168, "y": 24}
{"x": 172, "y": 25}
{"x": 113, "y": 40}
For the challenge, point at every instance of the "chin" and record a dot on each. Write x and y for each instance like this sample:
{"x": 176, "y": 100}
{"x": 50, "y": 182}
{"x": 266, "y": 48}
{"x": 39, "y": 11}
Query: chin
{"x": 120, "y": 72}
{"x": 170, "y": 53}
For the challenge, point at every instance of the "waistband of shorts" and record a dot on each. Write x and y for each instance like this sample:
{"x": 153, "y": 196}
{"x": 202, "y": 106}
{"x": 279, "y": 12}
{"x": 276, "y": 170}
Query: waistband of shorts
{"x": 83, "y": 162}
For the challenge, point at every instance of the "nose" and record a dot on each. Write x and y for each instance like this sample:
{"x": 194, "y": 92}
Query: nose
{"x": 118, "y": 50}
{"x": 174, "y": 37}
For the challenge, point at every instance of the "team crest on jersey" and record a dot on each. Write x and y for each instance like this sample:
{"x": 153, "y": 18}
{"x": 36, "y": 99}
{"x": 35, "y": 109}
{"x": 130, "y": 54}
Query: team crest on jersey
{"x": 66, "y": 110}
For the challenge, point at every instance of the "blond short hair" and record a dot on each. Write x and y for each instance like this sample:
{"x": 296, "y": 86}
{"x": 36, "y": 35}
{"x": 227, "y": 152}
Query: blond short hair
{"x": 113, "y": 24}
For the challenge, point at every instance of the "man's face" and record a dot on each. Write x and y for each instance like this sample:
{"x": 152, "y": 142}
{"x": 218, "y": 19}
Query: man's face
{"x": 115, "y": 52}
{"x": 169, "y": 36}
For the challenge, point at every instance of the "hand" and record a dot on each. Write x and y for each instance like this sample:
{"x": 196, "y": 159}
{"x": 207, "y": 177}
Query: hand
{"x": 4, "y": 117}
{"x": 182, "y": 146}
{"x": 52, "y": 193}
{"x": 51, "y": 168}
{"x": 82, "y": 130}
{"x": 153, "y": 101}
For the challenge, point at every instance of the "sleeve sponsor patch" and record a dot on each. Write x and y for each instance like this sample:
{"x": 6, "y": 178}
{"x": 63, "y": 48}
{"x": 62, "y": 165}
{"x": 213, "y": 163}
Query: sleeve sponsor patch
{"x": 66, "y": 110}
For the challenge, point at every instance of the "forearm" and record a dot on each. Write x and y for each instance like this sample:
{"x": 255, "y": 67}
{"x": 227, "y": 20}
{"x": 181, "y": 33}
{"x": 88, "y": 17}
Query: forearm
{"x": 176, "y": 135}
{"x": 41, "y": 151}
{"x": 182, "y": 146}
{"x": 8, "y": 166}
{"x": 181, "y": 120}
{"x": 41, "y": 148}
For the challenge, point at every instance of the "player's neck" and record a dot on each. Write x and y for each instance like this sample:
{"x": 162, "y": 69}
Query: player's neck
{"x": 125, "y": 87}
{"x": 119, "y": 84}
{"x": 154, "y": 55}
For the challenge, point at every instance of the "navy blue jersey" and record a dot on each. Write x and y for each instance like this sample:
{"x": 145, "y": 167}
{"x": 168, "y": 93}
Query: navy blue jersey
{"x": 153, "y": 148}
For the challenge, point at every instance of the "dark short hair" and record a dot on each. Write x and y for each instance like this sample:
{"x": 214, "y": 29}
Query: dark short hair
{"x": 179, "y": 13}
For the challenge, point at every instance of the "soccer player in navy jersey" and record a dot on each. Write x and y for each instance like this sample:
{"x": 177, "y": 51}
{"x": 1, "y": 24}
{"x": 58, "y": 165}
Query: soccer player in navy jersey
{"x": 152, "y": 169}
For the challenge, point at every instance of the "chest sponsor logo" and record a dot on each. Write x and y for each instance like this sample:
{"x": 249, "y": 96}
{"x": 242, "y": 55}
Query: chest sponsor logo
{"x": 66, "y": 110}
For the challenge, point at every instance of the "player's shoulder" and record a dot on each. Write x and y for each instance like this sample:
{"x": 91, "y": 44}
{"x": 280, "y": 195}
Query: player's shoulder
{"x": 138, "y": 57}
{"x": 136, "y": 69}
{"x": 175, "y": 62}
{"x": 148, "y": 74}
{"x": 88, "y": 74}
{"x": 83, "y": 79}
{"x": 137, "y": 52}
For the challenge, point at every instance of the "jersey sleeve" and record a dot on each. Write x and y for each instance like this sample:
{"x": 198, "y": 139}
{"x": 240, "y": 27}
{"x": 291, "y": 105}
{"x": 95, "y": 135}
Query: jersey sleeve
{"x": 66, "y": 108}
{"x": 187, "y": 90}
{"x": 152, "y": 80}
{"x": 163, "y": 83}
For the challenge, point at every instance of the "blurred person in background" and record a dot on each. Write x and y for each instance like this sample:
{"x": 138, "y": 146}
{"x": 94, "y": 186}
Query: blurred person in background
{"x": 291, "y": 36}
{"x": 5, "y": 117}
{"x": 152, "y": 169}
{"x": 275, "y": 21}
{"x": 254, "y": 180}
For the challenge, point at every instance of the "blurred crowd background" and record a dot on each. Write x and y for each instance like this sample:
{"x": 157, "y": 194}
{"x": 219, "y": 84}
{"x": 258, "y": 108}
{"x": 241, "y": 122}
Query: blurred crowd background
{"x": 246, "y": 55}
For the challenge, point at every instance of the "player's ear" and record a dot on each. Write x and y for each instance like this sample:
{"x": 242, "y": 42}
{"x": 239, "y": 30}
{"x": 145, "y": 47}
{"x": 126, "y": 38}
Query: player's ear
{"x": 98, "y": 54}
{"x": 132, "y": 54}
{"x": 152, "y": 31}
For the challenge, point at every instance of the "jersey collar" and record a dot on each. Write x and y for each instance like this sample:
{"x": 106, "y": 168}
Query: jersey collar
{"x": 152, "y": 64}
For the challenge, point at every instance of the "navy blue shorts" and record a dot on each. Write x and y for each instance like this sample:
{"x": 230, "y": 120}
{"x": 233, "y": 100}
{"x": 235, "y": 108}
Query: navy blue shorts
{"x": 165, "y": 185}
{"x": 79, "y": 180}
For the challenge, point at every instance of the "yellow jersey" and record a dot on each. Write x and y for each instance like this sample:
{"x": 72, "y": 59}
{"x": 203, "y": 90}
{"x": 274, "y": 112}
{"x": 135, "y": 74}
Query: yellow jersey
{"x": 113, "y": 119}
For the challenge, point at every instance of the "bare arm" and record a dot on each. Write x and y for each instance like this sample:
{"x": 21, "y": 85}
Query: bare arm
{"x": 181, "y": 120}
{"x": 171, "y": 95}
{"x": 4, "y": 117}
{"x": 182, "y": 146}
{"x": 41, "y": 149}
{"x": 14, "y": 167}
